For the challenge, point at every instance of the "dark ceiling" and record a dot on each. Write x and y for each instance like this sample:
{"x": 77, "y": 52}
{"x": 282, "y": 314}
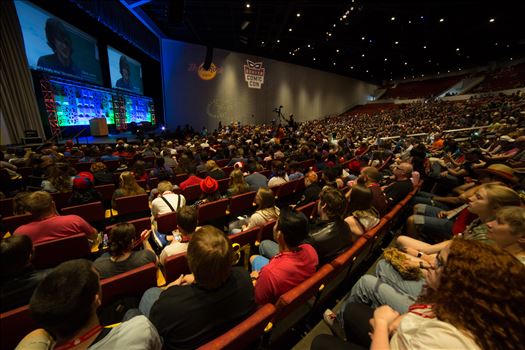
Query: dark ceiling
{"x": 368, "y": 39}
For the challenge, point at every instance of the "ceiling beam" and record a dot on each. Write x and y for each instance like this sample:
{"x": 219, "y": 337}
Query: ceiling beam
{"x": 144, "y": 19}
{"x": 138, "y": 3}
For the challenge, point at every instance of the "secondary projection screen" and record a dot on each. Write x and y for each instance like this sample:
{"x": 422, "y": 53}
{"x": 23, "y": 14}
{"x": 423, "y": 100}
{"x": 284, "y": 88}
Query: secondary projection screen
{"x": 55, "y": 46}
{"x": 77, "y": 104}
{"x": 125, "y": 73}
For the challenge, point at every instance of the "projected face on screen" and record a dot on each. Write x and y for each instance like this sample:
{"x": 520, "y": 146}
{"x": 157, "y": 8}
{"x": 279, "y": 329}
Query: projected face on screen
{"x": 59, "y": 41}
{"x": 125, "y": 72}
{"x": 124, "y": 82}
{"x": 55, "y": 46}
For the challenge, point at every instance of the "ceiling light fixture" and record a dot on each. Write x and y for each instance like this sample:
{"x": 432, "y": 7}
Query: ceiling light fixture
{"x": 491, "y": 20}
{"x": 392, "y": 18}
{"x": 424, "y": 46}
{"x": 289, "y": 29}
{"x": 363, "y": 55}
{"x": 457, "y": 48}
{"x": 406, "y": 63}
{"x": 441, "y": 20}
{"x": 397, "y": 42}
{"x": 337, "y": 50}
{"x": 314, "y": 58}
{"x": 247, "y": 5}
{"x": 351, "y": 67}
{"x": 362, "y": 38}
{"x": 298, "y": 14}
{"x": 278, "y": 40}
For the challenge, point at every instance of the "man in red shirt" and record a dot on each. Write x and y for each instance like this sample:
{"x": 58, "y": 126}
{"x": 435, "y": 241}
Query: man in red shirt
{"x": 48, "y": 225}
{"x": 192, "y": 180}
{"x": 296, "y": 262}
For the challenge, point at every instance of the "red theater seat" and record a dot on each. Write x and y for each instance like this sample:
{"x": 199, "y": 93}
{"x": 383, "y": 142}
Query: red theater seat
{"x": 167, "y": 222}
{"x": 241, "y": 204}
{"x": 132, "y": 205}
{"x": 131, "y": 283}
{"x": 246, "y": 334}
{"x": 15, "y": 325}
{"x": 266, "y": 231}
{"x": 209, "y": 212}
{"x": 52, "y": 253}
{"x": 11, "y": 223}
{"x": 91, "y": 212}
{"x": 175, "y": 266}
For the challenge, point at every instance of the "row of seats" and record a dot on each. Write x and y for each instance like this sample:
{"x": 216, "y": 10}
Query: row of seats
{"x": 508, "y": 78}
{"x": 64, "y": 249}
{"x": 372, "y": 108}
{"x": 270, "y": 322}
{"x": 136, "y": 206}
{"x": 193, "y": 193}
{"x": 425, "y": 88}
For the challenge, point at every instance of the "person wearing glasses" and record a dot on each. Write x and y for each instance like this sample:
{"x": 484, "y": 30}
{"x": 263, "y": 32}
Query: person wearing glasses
{"x": 401, "y": 187}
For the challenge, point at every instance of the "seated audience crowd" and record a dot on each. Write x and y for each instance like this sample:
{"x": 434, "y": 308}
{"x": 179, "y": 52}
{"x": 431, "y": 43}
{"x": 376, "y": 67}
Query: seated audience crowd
{"x": 453, "y": 278}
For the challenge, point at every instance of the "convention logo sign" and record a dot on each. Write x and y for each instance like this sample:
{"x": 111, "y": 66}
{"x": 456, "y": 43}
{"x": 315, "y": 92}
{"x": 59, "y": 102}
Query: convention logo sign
{"x": 254, "y": 74}
{"x": 205, "y": 74}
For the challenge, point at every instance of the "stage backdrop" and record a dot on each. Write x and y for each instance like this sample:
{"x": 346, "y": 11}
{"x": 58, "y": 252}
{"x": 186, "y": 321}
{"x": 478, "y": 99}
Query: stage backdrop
{"x": 245, "y": 88}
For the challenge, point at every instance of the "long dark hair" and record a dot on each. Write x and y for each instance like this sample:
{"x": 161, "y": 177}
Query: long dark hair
{"x": 360, "y": 199}
{"x": 120, "y": 239}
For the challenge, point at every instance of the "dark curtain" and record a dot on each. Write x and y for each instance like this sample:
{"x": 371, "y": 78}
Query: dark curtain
{"x": 19, "y": 107}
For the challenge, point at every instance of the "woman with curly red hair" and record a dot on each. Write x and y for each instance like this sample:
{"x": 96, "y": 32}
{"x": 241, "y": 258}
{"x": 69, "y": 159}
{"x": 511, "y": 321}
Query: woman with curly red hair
{"x": 473, "y": 300}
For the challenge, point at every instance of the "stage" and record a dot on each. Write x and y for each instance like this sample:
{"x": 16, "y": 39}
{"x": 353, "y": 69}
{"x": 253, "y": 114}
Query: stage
{"x": 128, "y": 137}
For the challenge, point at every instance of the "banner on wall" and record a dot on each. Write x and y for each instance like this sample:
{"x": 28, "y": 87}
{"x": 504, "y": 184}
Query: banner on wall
{"x": 203, "y": 73}
{"x": 254, "y": 74}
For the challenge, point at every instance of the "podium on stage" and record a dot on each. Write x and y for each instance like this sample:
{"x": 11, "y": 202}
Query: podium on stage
{"x": 98, "y": 127}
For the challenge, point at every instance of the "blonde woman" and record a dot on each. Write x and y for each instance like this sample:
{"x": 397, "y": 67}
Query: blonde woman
{"x": 128, "y": 187}
{"x": 237, "y": 184}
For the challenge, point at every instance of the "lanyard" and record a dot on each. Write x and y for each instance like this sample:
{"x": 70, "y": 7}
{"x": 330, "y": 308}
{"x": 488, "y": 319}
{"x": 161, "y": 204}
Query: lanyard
{"x": 78, "y": 340}
{"x": 425, "y": 308}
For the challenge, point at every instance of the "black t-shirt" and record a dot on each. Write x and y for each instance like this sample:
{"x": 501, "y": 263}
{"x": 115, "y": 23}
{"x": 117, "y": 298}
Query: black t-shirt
{"x": 189, "y": 316}
{"x": 329, "y": 238}
{"x": 107, "y": 268}
{"x": 396, "y": 192}
{"x": 310, "y": 194}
